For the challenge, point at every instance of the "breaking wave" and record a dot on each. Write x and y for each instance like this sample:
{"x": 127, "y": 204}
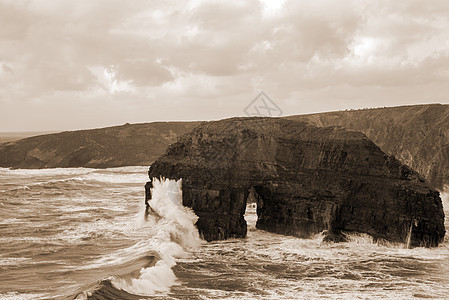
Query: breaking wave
{"x": 173, "y": 235}
{"x": 445, "y": 197}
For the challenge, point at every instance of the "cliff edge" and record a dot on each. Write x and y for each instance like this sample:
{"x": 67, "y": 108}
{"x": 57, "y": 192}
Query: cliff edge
{"x": 417, "y": 135}
{"x": 305, "y": 180}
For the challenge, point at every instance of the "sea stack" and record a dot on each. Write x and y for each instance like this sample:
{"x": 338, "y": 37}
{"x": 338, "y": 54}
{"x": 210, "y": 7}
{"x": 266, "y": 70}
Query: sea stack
{"x": 305, "y": 179}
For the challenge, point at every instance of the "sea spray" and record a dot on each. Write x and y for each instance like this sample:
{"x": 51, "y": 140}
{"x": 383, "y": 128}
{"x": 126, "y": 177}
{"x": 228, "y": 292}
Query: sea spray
{"x": 175, "y": 234}
{"x": 445, "y": 197}
{"x": 408, "y": 239}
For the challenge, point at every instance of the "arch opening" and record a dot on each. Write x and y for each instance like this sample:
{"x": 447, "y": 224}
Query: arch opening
{"x": 250, "y": 214}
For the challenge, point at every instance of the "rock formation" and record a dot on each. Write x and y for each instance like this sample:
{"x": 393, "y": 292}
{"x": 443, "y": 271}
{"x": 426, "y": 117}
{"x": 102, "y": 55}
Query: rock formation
{"x": 306, "y": 180}
{"x": 417, "y": 135}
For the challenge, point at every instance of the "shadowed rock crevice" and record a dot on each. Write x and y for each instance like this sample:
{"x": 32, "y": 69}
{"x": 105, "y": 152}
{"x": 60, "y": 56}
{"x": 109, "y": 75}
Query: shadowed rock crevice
{"x": 305, "y": 179}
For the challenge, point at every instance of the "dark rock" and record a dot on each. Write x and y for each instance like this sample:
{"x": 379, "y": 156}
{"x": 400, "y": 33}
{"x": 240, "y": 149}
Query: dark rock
{"x": 417, "y": 135}
{"x": 305, "y": 180}
{"x": 334, "y": 236}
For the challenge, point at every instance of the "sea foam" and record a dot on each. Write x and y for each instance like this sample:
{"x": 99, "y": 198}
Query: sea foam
{"x": 445, "y": 197}
{"x": 174, "y": 236}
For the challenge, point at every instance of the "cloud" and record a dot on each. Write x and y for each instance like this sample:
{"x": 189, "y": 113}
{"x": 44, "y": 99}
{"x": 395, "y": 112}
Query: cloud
{"x": 206, "y": 59}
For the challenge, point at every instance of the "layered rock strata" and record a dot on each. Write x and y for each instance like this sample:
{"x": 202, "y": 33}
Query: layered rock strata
{"x": 417, "y": 135}
{"x": 306, "y": 180}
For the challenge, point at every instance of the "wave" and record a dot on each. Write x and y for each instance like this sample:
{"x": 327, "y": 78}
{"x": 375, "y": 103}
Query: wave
{"x": 11, "y": 261}
{"x": 128, "y": 169}
{"x": 19, "y": 296}
{"x": 445, "y": 198}
{"x": 110, "y": 177}
{"x": 172, "y": 236}
{"x": 105, "y": 290}
{"x": 76, "y": 183}
{"x": 70, "y": 171}
{"x": 52, "y": 178}
{"x": 51, "y": 185}
{"x": 44, "y": 172}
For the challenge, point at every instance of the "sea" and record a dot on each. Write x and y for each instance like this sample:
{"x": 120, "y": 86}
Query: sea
{"x": 79, "y": 233}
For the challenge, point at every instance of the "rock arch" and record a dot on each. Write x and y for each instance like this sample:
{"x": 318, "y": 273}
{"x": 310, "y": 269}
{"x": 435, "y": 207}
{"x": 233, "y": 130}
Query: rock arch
{"x": 307, "y": 179}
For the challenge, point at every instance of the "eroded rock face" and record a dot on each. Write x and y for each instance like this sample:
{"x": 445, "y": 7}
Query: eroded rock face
{"x": 305, "y": 179}
{"x": 416, "y": 135}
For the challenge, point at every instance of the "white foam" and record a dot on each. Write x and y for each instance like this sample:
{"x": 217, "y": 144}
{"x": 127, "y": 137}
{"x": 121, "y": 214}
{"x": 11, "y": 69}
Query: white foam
{"x": 251, "y": 216}
{"x": 128, "y": 169}
{"x": 118, "y": 257}
{"x": 114, "y": 178}
{"x": 445, "y": 198}
{"x": 45, "y": 172}
{"x": 113, "y": 175}
{"x": 48, "y": 182}
{"x": 12, "y": 221}
{"x": 12, "y": 261}
{"x": 156, "y": 279}
{"x": 174, "y": 234}
{"x": 17, "y": 296}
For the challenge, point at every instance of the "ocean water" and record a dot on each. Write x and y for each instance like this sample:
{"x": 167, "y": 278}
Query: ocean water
{"x": 81, "y": 233}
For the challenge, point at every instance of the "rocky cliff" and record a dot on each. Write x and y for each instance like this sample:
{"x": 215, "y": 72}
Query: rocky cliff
{"x": 306, "y": 179}
{"x": 127, "y": 145}
{"x": 416, "y": 135}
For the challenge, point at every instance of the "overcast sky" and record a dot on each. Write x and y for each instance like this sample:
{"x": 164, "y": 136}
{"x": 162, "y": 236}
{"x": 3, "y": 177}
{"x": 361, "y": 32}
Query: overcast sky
{"x": 83, "y": 64}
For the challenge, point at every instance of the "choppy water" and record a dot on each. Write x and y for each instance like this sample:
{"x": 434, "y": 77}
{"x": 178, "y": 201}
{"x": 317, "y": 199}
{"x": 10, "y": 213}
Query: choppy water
{"x": 67, "y": 233}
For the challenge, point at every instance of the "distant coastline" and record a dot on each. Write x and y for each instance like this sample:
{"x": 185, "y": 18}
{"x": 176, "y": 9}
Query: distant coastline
{"x": 10, "y": 136}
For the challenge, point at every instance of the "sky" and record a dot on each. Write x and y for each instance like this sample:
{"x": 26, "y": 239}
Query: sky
{"x": 67, "y": 65}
